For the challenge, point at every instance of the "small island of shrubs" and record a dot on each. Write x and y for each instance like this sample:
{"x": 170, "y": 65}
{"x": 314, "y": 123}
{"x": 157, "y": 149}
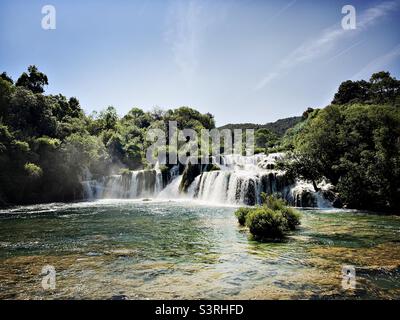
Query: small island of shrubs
{"x": 271, "y": 221}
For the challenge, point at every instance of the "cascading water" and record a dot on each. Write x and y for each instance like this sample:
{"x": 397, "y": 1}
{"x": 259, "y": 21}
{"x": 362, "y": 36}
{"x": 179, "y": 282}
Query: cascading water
{"x": 131, "y": 185}
{"x": 240, "y": 180}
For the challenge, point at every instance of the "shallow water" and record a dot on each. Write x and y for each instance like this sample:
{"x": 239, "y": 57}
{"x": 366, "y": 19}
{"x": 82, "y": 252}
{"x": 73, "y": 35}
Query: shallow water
{"x": 157, "y": 250}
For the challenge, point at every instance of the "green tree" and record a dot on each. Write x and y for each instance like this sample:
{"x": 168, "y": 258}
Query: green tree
{"x": 34, "y": 80}
{"x": 352, "y": 91}
{"x": 384, "y": 87}
{"x": 355, "y": 147}
{"x": 5, "y": 77}
{"x": 265, "y": 138}
{"x": 30, "y": 114}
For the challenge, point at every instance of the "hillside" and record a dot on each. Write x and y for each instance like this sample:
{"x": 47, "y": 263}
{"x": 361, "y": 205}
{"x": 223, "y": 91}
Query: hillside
{"x": 279, "y": 127}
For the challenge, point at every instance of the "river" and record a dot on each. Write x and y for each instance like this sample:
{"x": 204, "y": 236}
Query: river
{"x": 139, "y": 249}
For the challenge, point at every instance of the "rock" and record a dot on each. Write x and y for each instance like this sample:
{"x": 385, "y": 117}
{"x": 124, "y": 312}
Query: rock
{"x": 250, "y": 195}
{"x": 189, "y": 174}
{"x": 333, "y": 198}
{"x": 305, "y": 199}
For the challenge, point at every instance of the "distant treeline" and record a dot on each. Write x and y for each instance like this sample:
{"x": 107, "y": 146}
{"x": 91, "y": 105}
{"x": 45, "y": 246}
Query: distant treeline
{"x": 278, "y": 127}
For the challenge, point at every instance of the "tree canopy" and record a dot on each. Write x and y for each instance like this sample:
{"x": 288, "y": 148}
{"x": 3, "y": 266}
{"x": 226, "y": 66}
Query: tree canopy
{"x": 354, "y": 143}
{"x": 48, "y": 144}
{"x": 380, "y": 89}
{"x": 34, "y": 80}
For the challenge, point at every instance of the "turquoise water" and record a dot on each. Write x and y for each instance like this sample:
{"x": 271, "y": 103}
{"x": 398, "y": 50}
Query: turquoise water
{"x": 175, "y": 250}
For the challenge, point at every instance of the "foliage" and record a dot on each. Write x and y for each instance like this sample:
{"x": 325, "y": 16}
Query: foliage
{"x": 354, "y": 143}
{"x": 34, "y": 80}
{"x": 382, "y": 88}
{"x": 356, "y": 147}
{"x": 279, "y": 127}
{"x": 33, "y": 170}
{"x": 5, "y": 77}
{"x": 265, "y": 138}
{"x": 51, "y": 139}
{"x": 271, "y": 221}
{"x": 241, "y": 214}
{"x": 265, "y": 223}
{"x": 275, "y": 203}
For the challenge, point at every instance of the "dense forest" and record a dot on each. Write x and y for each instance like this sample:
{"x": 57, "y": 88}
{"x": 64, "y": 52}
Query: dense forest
{"x": 48, "y": 144}
{"x": 354, "y": 143}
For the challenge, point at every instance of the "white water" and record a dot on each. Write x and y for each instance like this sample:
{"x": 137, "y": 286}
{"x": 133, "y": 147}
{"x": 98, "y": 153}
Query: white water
{"x": 135, "y": 185}
{"x": 241, "y": 180}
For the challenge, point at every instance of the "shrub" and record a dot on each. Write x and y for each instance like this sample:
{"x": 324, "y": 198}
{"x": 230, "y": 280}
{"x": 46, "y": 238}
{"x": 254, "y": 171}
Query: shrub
{"x": 47, "y": 143}
{"x": 33, "y": 170}
{"x": 270, "y": 221}
{"x": 21, "y": 146}
{"x": 241, "y": 215}
{"x": 292, "y": 217}
{"x": 273, "y": 202}
{"x": 264, "y": 223}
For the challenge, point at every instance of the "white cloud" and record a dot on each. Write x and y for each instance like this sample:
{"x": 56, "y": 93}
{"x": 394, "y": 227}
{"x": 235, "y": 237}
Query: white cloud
{"x": 327, "y": 40}
{"x": 281, "y": 11}
{"x": 184, "y": 32}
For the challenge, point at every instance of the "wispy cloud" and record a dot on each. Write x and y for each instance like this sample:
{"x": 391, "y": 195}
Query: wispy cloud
{"x": 328, "y": 40}
{"x": 346, "y": 50}
{"x": 378, "y": 64}
{"x": 184, "y": 32}
{"x": 281, "y": 11}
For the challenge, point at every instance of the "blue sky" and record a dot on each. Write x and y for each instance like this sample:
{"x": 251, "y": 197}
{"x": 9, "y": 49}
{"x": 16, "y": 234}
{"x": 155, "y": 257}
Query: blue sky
{"x": 243, "y": 61}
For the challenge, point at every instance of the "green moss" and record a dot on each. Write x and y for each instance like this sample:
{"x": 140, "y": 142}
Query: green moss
{"x": 21, "y": 145}
{"x": 124, "y": 172}
{"x": 164, "y": 169}
{"x": 190, "y": 173}
{"x": 213, "y": 167}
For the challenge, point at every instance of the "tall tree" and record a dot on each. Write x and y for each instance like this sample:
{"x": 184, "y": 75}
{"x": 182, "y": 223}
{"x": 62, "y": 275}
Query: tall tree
{"x": 34, "y": 80}
{"x": 5, "y": 77}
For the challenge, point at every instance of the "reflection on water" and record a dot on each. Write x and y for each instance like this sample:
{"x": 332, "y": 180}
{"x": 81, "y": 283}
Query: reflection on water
{"x": 148, "y": 250}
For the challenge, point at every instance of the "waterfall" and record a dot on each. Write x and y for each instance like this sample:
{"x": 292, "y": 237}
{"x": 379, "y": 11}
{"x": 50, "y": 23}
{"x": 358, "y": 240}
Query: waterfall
{"x": 240, "y": 180}
{"x": 132, "y": 185}
{"x": 238, "y": 187}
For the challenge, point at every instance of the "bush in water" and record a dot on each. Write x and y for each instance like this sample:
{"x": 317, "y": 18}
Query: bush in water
{"x": 270, "y": 221}
{"x": 241, "y": 215}
{"x": 291, "y": 215}
{"x": 264, "y": 223}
